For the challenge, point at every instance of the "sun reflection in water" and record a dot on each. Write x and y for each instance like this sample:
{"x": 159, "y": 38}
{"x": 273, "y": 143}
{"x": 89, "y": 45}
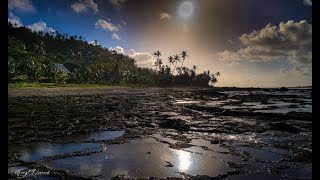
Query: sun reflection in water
{"x": 184, "y": 160}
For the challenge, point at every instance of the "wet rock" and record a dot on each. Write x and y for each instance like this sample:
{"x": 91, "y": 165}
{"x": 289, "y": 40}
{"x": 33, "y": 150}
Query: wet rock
{"x": 152, "y": 125}
{"x": 236, "y": 165}
{"x": 206, "y": 109}
{"x": 280, "y": 126}
{"x": 131, "y": 124}
{"x": 210, "y": 92}
{"x": 306, "y": 116}
{"x": 225, "y": 111}
{"x": 302, "y": 156}
{"x": 180, "y": 145}
{"x": 293, "y": 106}
{"x": 176, "y": 124}
{"x": 214, "y": 142}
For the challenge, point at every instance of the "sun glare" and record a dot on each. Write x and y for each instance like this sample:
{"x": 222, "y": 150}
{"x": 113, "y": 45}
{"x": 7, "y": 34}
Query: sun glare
{"x": 184, "y": 160}
{"x": 185, "y": 9}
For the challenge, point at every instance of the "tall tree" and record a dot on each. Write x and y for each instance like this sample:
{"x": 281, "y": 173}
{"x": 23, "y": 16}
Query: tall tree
{"x": 176, "y": 59}
{"x": 170, "y": 61}
{"x": 183, "y": 55}
{"x": 157, "y": 55}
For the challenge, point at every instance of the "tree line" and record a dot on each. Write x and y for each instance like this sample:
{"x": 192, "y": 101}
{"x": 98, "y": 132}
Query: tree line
{"x": 31, "y": 58}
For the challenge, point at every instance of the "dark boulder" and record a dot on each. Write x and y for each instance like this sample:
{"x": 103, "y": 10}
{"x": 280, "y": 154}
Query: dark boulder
{"x": 302, "y": 156}
{"x": 176, "y": 124}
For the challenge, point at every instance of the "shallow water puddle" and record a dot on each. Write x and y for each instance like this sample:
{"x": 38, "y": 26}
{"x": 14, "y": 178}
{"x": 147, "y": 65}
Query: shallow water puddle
{"x": 37, "y": 151}
{"x": 214, "y": 147}
{"x": 215, "y": 155}
{"x": 261, "y": 154}
{"x": 142, "y": 158}
{"x": 304, "y": 170}
{"x": 278, "y": 151}
{"x": 217, "y": 103}
{"x": 186, "y": 101}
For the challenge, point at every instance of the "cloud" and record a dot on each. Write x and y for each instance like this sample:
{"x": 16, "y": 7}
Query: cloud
{"x": 21, "y": 5}
{"x": 115, "y": 36}
{"x": 117, "y": 3}
{"x": 300, "y": 57}
{"x": 51, "y": 29}
{"x": 165, "y": 16}
{"x": 287, "y": 36}
{"x": 307, "y": 2}
{"x": 252, "y": 53}
{"x": 290, "y": 40}
{"x": 142, "y": 59}
{"x": 106, "y": 25}
{"x": 14, "y": 20}
{"x": 40, "y": 26}
{"x": 78, "y": 7}
{"x": 229, "y": 56}
{"x": 231, "y": 42}
{"x": 94, "y": 43}
{"x": 118, "y": 49}
{"x": 84, "y": 5}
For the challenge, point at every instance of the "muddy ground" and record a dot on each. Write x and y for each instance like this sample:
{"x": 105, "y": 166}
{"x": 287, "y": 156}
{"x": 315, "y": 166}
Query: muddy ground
{"x": 249, "y": 133}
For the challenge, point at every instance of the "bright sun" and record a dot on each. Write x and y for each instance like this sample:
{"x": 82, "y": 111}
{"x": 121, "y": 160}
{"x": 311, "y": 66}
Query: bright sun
{"x": 185, "y": 9}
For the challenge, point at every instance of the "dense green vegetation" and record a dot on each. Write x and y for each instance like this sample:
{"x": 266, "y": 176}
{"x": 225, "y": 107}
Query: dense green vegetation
{"x": 31, "y": 58}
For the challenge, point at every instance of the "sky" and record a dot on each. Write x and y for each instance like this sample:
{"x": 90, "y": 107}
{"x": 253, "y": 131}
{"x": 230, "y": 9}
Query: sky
{"x": 252, "y": 43}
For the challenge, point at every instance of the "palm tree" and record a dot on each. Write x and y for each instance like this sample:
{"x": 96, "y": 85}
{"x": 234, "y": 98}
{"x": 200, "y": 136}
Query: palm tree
{"x": 183, "y": 55}
{"x": 179, "y": 70}
{"x": 160, "y": 63}
{"x": 171, "y": 61}
{"x": 213, "y": 79}
{"x": 176, "y": 59}
{"x": 157, "y": 54}
{"x": 194, "y": 68}
{"x": 193, "y": 72}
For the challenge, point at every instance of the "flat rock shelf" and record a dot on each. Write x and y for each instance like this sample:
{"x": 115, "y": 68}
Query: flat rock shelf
{"x": 160, "y": 133}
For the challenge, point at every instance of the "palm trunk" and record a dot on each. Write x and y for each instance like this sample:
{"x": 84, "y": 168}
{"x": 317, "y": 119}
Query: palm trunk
{"x": 174, "y": 68}
{"x": 182, "y": 63}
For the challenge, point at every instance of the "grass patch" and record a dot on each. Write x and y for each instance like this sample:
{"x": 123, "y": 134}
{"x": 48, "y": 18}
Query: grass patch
{"x": 70, "y": 85}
